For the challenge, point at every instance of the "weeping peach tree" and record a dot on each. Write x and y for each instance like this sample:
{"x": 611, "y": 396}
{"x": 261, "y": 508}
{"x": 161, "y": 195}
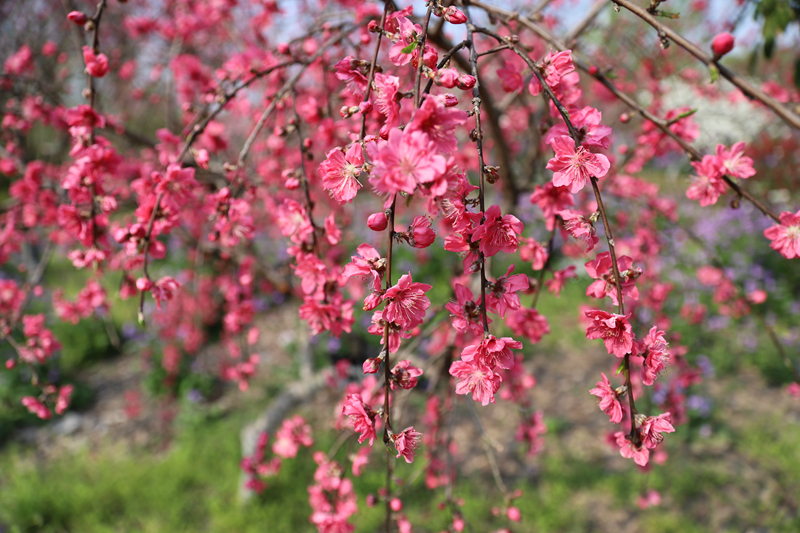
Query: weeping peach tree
{"x": 210, "y": 159}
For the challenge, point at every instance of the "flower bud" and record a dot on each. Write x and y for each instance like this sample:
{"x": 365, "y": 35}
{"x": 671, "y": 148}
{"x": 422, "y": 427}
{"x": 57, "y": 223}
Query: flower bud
{"x": 396, "y": 505}
{"x": 513, "y": 514}
{"x": 144, "y": 284}
{"x": 365, "y": 107}
{"x": 77, "y": 17}
{"x": 466, "y": 82}
{"x": 722, "y": 44}
{"x": 377, "y": 222}
{"x": 446, "y": 77}
{"x": 372, "y": 365}
{"x": 373, "y": 26}
{"x": 454, "y": 16}
{"x": 422, "y": 235}
{"x": 450, "y": 100}
{"x": 283, "y": 48}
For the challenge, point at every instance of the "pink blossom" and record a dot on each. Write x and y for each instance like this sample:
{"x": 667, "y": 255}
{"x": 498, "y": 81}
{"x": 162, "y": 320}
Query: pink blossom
{"x": 559, "y": 279}
{"x": 340, "y": 171}
{"x": 406, "y": 159}
{"x": 593, "y": 135}
{"x": 629, "y": 450}
{"x": 735, "y": 162}
{"x": 786, "y": 236}
{"x": 404, "y": 375}
{"x": 534, "y": 252}
{"x": 347, "y": 70}
{"x": 708, "y": 185}
{"x": 164, "y": 289}
{"x": 556, "y": 67}
{"x": 312, "y": 272}
{"x": 396, "y": 332}
{"x": 491, "y": 352}
{"x": 293, "y": 433}
{"x": 363, "y": 417}
{"x": 407, "y": 32}
{"x": 580, "y": 228}
{"x": 96, "y": 64}
{"x": 498, "y": 233}
{"x": 406, "y": 443}
{"x": 530, "y": 431}
{"x": 368, "y": 262}
{"x": 293, "y": 221}
{"x": 479, "y": 380}
{"x": 334, "y": 316}
{"x": 552, "y": 199}
{"x": 528, "y": 323}
{"x": 657, "y": 355}
{"x": 176, "y": 185}
{"x": 465, "y": 312}
{"x": 510, "y": 78}
{"x": 406, "y": 302}
{"x": 386, "y": 89}
{"x": 615, "y": 330}
{"x": 36, "y": 407}
{"x": 572, "y": 167}
{"x": 602, "y": 270}
{"x": 64, "y": 395}
{"x": 652, "y": 429}
{"x": 20, "y": 61}
{"x": 503, "y": 295}
{"x": 609, "y": 400}
{"x": 438, "y": 122}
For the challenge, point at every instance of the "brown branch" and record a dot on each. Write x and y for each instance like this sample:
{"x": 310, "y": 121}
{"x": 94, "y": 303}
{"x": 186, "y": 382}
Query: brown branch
{"x": 371, "y": 79}
{"x": 420, "y": 55}
{"x": 304, "y": 154}
{"x": 661, "y": 124}
{"x": 476, "y": 110}
{"x": 500, "y": 147}
{"x": 574, "y": 32}
{"x": 634, "y": 435}
{"x": 749, "y": 90}
{"x": 443, "y": 61}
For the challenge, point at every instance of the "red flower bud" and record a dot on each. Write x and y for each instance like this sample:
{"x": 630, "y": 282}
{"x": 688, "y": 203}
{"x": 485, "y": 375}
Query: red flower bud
{"x": 77, "y": 17}
{"x": 722, "y": 44}
{"x": 454, "y": 16}
{"x": 377, "y": 222}
{"x": 466, "y": 82}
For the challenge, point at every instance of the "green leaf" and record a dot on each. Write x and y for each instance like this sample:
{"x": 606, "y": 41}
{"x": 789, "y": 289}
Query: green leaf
{"x": 714, "y": 74}
{"x": 410, "y": 48}
{"x": 619, "y": 369}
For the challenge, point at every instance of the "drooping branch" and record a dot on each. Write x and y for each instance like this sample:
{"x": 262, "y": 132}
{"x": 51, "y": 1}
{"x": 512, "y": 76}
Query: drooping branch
{"x": 601, "y": 207}
{"x": 478, "y": 135}
{"x": 660, "y": 123}
{"x": 752, "y": 92}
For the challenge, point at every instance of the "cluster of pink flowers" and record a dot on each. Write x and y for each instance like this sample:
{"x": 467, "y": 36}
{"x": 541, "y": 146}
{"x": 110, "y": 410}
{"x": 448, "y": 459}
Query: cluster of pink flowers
{"x": 293, "y": 433}
{"x": 709, "y": 185}
{"x": 332, "y": 498}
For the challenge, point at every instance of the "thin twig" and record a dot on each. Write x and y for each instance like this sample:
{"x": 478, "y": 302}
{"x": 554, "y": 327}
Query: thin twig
{"x": 665, "y": 32}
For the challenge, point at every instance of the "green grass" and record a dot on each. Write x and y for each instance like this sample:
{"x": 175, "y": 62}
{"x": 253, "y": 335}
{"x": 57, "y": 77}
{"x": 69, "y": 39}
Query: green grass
{"x": 193, "y": 487}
